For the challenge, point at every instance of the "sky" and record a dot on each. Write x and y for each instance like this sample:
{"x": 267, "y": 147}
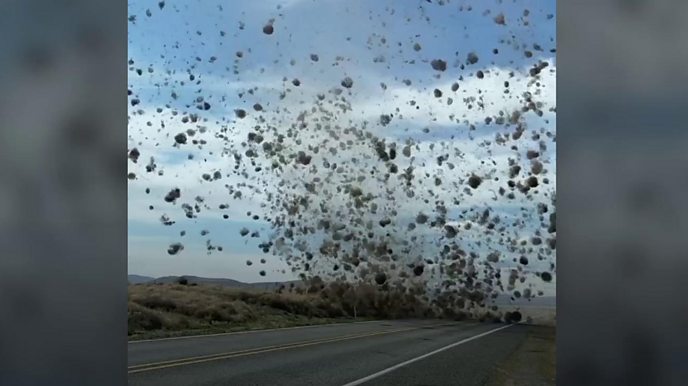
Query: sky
{"x": 373, "y": 43}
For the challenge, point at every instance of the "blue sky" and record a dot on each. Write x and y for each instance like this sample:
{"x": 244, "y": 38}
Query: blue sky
{"x": 361, "y": 33}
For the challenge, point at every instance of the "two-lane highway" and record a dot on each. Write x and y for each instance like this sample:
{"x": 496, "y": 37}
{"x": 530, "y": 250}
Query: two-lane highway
{"x": 406, "y": 352}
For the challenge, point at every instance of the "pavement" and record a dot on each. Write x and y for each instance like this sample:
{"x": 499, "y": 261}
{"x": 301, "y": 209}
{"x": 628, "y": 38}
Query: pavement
{"x": 399, "y": 353}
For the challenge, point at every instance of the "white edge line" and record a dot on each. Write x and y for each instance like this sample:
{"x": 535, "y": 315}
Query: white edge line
{"x": 416, "y": 359}
{"x": 249, "y": 331}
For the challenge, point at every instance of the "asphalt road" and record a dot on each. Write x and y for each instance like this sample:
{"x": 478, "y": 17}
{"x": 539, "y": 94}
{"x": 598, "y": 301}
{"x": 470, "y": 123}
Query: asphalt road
{"x": 399, "y": 353}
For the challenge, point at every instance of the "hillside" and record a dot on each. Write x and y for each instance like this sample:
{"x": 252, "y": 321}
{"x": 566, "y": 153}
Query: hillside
{"x": 163, "y": 307}
{"x": 138, "y": 279}
{"x": 229, "y": 283}
{"x": 160, "y": 309}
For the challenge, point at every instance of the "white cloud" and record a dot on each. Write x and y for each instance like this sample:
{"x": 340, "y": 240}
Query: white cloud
{"x": 398, "y": 96}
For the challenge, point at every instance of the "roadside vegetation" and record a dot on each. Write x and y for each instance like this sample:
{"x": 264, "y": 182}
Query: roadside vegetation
{"x": 159, "y": 310}
{"x": 162, "y": 310}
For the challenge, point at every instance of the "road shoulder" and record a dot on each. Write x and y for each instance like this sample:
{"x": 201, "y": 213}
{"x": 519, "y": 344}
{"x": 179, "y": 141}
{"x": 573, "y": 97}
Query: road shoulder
{"x": 533, "y": 363}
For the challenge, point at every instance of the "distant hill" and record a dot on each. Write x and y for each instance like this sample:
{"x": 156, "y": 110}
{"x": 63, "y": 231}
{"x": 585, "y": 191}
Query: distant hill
{"x": 202, "y": 280}
{"x": 138, "y": 279}
{"x": 229, "y": 283}
{"x": 538, "y": 301}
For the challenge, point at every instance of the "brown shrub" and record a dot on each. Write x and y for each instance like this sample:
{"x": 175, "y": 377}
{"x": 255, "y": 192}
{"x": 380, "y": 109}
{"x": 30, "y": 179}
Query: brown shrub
{"x": 141, "y": 318}
{"x": 157, "y": 302}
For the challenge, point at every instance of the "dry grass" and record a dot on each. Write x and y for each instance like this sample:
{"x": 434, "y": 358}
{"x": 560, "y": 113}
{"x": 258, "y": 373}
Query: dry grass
{"x": 161, "y": 310}
{"x": 157, "y": 310}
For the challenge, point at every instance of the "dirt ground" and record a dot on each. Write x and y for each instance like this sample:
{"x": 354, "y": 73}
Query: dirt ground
{"x": 532, "y": 364}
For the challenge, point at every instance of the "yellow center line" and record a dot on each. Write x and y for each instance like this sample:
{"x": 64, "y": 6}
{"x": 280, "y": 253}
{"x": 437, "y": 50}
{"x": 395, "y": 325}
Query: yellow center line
{"x": 239, "y": 351}
{"x": 259, "y": 350}
{"x": 233, "y": 354}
